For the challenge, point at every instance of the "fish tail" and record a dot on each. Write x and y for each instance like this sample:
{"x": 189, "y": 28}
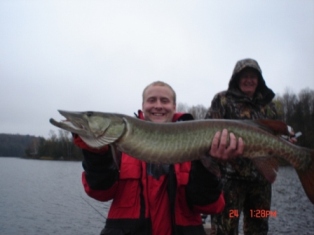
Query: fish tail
{"x": 307, "y": 178}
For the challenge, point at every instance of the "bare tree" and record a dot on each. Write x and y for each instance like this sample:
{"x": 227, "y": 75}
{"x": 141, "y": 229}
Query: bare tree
{"x": 65, "y": 142}
{"x": 184, "y": 108}
{"x": 198, "y": 111}
{"x": 289, "y": 103}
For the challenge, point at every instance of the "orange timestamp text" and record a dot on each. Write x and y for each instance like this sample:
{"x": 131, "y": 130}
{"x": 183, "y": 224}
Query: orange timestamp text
{"x": 257, "y": 213}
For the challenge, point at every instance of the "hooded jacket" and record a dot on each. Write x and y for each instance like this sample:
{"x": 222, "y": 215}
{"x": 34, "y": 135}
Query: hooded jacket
{"x": 234, "y": 104}
{"x": 150, "y": 199}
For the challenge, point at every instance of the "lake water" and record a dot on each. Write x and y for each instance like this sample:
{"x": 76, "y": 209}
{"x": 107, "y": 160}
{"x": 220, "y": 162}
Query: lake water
{"x": 46, "y": 197}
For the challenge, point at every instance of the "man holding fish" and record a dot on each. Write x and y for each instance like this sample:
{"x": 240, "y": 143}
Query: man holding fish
{"x": 245, "y": 188}
{"x": 157, "y": 170}
{"x": 150, "y": 198}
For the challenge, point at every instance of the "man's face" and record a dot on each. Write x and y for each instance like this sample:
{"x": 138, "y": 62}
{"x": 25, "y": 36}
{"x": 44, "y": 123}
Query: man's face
{"x": 248, "y": 81}
{"x": 158, "y": 104}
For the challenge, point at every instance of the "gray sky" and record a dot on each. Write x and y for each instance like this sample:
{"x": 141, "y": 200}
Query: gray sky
{"x": 99, "y": 55}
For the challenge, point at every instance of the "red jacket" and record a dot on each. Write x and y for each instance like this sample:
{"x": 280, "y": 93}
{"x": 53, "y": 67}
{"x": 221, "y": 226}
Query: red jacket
{"x": 151, "y": 199}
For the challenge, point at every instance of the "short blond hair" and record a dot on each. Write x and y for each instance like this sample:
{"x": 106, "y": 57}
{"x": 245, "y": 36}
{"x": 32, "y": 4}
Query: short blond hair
{"x": 160, "y": 83}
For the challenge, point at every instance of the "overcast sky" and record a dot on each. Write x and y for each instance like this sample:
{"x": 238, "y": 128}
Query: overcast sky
{"x": 99, "y": 55}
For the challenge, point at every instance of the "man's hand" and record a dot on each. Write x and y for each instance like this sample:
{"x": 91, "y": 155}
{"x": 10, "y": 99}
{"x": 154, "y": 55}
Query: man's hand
{"x": 223, "y": 150}
{"x": 292, "y": 136}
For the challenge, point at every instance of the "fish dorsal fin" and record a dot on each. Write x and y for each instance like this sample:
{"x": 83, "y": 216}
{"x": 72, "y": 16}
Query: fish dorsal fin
{"x": 274, "y": 126}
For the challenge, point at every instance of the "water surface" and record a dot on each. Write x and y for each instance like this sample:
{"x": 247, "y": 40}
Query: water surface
{"x": 46, "y": 197}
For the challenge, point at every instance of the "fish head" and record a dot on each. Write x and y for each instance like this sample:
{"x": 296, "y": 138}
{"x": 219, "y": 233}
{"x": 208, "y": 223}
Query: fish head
{"x": 89, "y": 122}
{"x": 92, "y": 126}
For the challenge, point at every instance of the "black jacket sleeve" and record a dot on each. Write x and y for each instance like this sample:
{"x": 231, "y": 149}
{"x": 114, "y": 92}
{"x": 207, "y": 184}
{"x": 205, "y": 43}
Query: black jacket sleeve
{"x": 203, "y": 187}
{"x": 100, "y": 169}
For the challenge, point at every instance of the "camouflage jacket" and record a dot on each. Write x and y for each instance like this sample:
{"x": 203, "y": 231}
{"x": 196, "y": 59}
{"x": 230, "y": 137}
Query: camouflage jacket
{"x": 233, "y": 104}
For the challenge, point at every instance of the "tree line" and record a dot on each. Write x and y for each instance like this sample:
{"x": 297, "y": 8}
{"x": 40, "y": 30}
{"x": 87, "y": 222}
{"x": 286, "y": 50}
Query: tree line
{"x": 57, "y": 147}
{"x": 297, "y": 110}
{"x": 14, "y": 145}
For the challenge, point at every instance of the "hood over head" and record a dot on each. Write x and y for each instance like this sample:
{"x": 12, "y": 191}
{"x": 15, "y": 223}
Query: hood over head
{"x": 264, "y": 93}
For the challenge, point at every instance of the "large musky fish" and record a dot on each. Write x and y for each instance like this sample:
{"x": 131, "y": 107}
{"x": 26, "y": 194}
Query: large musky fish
{"x": 169, "y": 143}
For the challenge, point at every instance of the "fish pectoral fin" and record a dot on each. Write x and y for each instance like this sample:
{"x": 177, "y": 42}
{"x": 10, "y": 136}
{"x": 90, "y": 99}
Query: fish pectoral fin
{"x": 116, "y": 154}
{"x": 268, "y": 167}
{"x": 212, "y": 166}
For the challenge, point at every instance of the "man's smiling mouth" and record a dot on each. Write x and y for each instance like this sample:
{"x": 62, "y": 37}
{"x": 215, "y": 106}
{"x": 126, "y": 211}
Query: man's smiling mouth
{"x": 158, "y": 114}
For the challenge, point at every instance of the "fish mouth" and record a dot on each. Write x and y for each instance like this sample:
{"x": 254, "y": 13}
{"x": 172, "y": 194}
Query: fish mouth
{"x": 73, "y": 122}
{"x": 73, "y": 119}
{"x": 70, "y": 115}
{"x": 68, "y": 125}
